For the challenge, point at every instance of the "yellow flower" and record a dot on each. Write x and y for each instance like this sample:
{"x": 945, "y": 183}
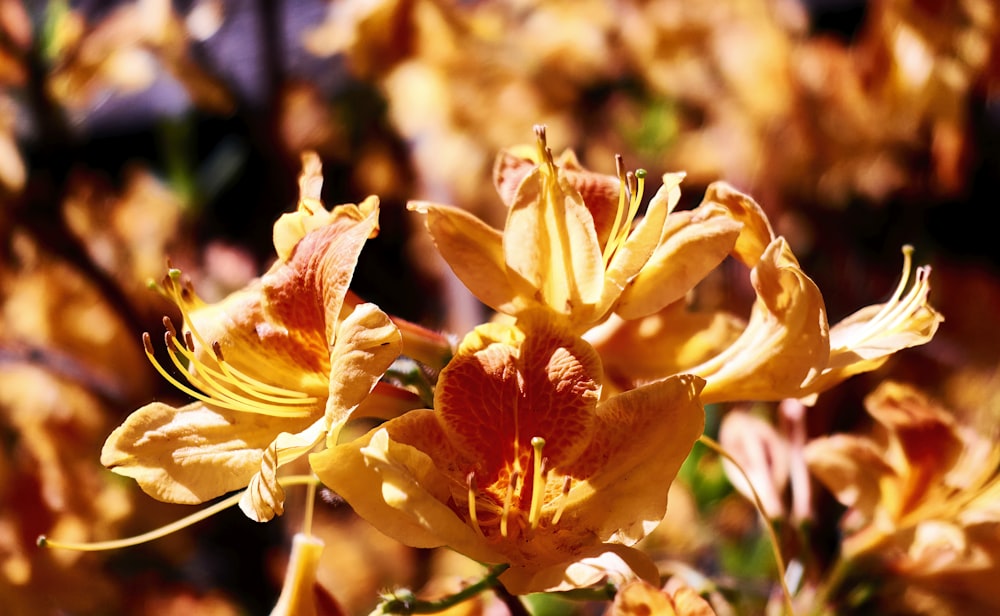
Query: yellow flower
{"x": 642, "y": 599}
{"x": 787, "y": 348}
{"x": 275, "y": 368}
{"x": 923, "y": 496}
{"x": 573, "y": 245}
{"x": 520, "y": 463}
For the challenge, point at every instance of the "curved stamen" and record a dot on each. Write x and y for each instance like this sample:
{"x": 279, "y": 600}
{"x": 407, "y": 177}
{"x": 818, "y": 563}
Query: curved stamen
{"x": 173, "y": 527}
{"x": 512, "y": 486}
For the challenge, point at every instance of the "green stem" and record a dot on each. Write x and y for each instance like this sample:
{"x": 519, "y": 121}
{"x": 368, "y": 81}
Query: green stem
{"x": 406, "y": 603}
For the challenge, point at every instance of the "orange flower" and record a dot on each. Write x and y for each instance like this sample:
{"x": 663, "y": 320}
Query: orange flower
{"x": 276, "y": 368}
{"x": 642, "y": 599}
{"x": 573, "y": 246}
{"x": 519, "y": 463}
{"x": 923, "y": 496}
{"x": 787, "y": 349}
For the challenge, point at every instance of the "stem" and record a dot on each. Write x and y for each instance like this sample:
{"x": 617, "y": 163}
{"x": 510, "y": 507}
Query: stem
{"x": 406, "y": 603}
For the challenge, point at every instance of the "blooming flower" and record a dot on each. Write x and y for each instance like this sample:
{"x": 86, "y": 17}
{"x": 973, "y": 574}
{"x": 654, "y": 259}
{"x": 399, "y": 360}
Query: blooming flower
{"x": 276, "y": 368}
{"x": 573, "y": 245}
{"x": 787, "y": 348}
{"x": 520, "y": 463}
{"x": 923, "y": 497}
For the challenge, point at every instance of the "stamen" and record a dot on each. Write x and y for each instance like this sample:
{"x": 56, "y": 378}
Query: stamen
{"x": 511, "y": 488}
{"x": 470, "y": 481}
{"x": 632, "y": 185}
{"x": 45, "y": 542}
{"x": 208, "y": 379}
{"x": 564, "y": 500}
{"x": 899, "y": 308}
{"x": 169, "y": 326}
{"x": 538, "y": 483}
{"x": 223, "y": 400}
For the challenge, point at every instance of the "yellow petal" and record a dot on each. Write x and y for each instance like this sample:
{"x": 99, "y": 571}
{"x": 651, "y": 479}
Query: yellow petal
{"x": 629, "y": 259}
{"x": 194, "y": 453}
{"x": 366, "y": 345}
{"x": 643, "y": 437}
{"x": 694, "y": 243}
{"x": 399, "y": 488}
{"x": 673, "y": 340}
{"x": 785, "y": 342}
{"x": 298, "y": 596}
{"x": 606, "y": 562}
{"x": 757, "y": 233}
{"x": 642, "y": 599}
{"x": 550, "y": 244}
{"x": 473, "y": 250}
{"x": 264, "y": 497}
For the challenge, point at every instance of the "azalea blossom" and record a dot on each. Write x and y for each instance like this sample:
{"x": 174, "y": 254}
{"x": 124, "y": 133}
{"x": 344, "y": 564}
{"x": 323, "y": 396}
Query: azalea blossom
{"x": 521, "y": 463}
{"x": 923, "y": 498}
{"x": 275, "y": 368}
{"x": 786, "y": 349}
{"x": 573, "y": 244}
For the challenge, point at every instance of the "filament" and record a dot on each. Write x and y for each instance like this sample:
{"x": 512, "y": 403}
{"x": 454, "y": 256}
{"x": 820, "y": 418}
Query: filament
{"x": 163, "y": 531}
{"x": 538, "y": 483}
{"x": 563, "y": 500}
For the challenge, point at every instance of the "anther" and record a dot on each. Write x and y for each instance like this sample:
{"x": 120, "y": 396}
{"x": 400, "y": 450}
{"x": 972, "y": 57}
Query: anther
{"x": 169, "y": 326}
{"x": 189, "y": 340}
{"x": 147, "y": 343}
{"x": 217, "y": 349}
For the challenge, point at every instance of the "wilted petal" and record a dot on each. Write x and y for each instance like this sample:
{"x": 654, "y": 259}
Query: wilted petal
{"x": 191, "y": 454}
{"x": 763, "y": 455}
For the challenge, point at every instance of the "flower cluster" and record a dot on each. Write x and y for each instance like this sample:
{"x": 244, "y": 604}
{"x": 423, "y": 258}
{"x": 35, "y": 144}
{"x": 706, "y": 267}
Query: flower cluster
{"x": 555, "y": 430}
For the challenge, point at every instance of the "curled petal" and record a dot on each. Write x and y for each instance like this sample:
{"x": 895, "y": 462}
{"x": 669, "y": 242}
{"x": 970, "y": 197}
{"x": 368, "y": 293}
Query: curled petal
{"x": 611, "y": 562}
{"x": 265, "y": 498}
{"x": 367, "y": 343}
{"x": 757, "y": 234}
{"x": 785, "y": 342}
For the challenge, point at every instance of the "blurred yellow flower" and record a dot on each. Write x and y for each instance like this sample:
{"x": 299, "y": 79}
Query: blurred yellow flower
{"x": 276, "y": 368}
{"x": 642, "y": 599}
{"x": 520, "y": 463}
{"x": 923, "y": 496}
{"x": 573, "y": 245}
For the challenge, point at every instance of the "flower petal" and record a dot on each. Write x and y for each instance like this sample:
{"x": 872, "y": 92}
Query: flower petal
{"x": 694, "y": 243}
{"x": 367, "y": 343}
{"x": 757, "y": 233}
{"x": 264, "y": 497}
{"x": 194, "y": 453}
{"x": 785, "y": 342}
{"x": 642, "y": 438}
{"x": 550, "y": 243}
{"x": 603, "y": 562}
{"x": 473, "y": 250}
{"x": 398, "y": 488}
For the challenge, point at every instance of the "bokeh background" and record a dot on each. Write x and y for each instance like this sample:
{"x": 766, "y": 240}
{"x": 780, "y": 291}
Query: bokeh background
{"x": 134, "y": 132}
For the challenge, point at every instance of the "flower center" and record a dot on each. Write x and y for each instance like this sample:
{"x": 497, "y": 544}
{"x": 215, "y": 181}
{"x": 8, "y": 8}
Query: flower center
{"x": 220, "y": 384}
{"x": 513, "y": 505}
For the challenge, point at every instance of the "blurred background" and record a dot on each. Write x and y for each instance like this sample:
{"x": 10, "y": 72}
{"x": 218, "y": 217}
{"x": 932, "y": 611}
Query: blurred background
{"x": 131, "y": 132}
